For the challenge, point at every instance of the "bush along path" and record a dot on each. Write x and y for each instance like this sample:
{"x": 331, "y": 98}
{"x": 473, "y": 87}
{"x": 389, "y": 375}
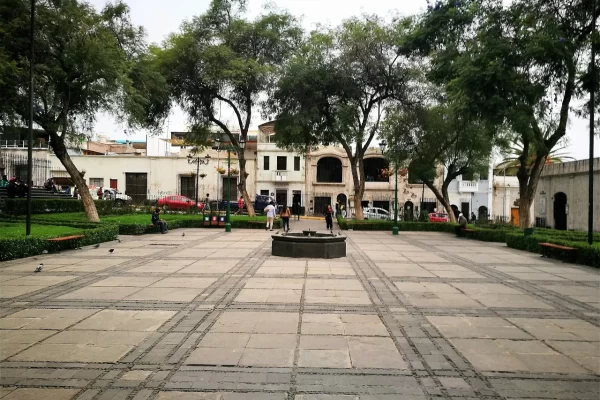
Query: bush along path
{"x": 512, "y": 236}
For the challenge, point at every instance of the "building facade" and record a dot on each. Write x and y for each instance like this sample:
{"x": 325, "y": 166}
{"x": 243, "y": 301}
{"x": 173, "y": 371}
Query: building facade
{"x": 561, "y": 199}
{"x": 469, "y": 195}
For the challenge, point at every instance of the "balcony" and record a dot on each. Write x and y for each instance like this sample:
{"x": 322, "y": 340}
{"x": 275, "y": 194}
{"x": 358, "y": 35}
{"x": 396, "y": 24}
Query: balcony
{"x": 280, "y": 176}
{"x": 467, "y": 186}
{"x": 21, "y": 144}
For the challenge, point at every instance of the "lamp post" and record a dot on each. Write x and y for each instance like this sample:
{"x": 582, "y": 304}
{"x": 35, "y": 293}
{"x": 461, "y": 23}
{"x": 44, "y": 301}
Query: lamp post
{"x": 236, "y": 149}
{"x": 382, "y": 146}
{"x": 592, "y": 123}
{"x": 198, "y": 161}
{"x": 30, "y": 134}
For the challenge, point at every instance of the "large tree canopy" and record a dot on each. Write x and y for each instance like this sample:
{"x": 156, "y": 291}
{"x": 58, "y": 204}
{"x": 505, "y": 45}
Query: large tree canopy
{"x": 82, "y": 65}
{"x": 426, "y": 137}
{"x": 519, "y": 65}
{"x": 220, "y": 59}
{"x": 338, "y": 87}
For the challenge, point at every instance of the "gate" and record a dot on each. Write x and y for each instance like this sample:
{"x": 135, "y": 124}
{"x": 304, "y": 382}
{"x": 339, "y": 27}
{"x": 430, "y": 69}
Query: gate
{"x": 136, "y": 186}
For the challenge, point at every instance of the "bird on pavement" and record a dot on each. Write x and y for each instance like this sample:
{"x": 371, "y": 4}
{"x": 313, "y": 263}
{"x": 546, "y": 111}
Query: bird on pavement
{"x": 39, "y": 268}
{"x": 183, "y": 234}
{"x": 111, "y": 250}
{"x": 119, "y": 240}
{"x": 97, "y": 245}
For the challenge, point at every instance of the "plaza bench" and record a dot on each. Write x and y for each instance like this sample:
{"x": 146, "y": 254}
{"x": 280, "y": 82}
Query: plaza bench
{"x": 65, "y": 238}
{"x": 548, "y": 247}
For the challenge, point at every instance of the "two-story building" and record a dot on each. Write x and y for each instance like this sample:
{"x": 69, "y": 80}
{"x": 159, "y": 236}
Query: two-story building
{"x": 472, "y": 194}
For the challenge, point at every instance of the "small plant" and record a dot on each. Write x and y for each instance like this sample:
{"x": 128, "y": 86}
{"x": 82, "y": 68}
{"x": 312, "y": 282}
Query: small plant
{"x": 234, "y": 171}
{"x": 221, "y": 170}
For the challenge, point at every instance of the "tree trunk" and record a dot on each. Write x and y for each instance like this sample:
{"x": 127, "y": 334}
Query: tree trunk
{"x": 358, "y": 172}
{"x": 442, "y": 198}
{"x": 527, "y": 187}
{"x": 60, "y": 150}
{"x": 242, "y": 186}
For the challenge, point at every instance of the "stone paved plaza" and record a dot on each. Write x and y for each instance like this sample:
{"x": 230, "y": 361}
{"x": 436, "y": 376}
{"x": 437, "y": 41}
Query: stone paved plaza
{"x": 213, "y": 316}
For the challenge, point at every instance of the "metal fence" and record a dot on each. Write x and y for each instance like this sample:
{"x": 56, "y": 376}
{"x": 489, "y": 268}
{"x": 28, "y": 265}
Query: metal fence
{"x": 16, "y": 165}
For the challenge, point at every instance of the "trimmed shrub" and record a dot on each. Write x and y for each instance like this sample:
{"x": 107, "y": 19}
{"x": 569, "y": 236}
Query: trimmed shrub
{"x": 140, "y": 229}
{"x": 52, "y": 206}
{"x": 488, "y": 235}
{"x": 26, "y": 247}
{"x": 371, "y": 225}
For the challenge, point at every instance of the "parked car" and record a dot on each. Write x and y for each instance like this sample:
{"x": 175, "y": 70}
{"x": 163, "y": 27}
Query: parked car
{"x": 178, "y": 203}
{"x": 376, "y": 213}
{"x": 438, "y": 217}
{"x": 259, "y": 203}
{"x": 116, "y": 196}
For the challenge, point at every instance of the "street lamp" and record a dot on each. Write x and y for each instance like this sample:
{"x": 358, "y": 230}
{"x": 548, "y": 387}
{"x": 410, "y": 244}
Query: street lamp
{"x": 382, "y": 146}
{"x": 198, "y": 161}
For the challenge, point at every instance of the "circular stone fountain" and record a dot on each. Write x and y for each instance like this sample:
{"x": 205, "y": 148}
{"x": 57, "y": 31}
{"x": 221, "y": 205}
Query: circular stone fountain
{"x": 309, "y": 244}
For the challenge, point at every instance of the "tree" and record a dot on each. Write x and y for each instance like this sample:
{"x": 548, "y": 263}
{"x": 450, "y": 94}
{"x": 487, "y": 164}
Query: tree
{"x": 511, "y": 163}
{"x": 81, "y": 65}
{"x": 221, "y": 59}
{"x": 519, "y": 66}
{"x": 337, "y": 88}
{"x": 438, "y": 135}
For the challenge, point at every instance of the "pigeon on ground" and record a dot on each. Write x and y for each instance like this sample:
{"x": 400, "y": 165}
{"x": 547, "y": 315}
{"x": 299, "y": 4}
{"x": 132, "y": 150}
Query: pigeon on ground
{"x": 39, "y": 268}
{"x": 111, "y": 250}
{"x": 97, "y": 245}
{"x": 183, "y": 234}
{"x": 45, "y": 252}
{"x": 119, "y": 240}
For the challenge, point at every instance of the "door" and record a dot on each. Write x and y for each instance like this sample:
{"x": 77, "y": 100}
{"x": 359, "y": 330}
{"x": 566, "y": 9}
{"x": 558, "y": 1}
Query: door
{"x": 464, "y": 209}
{"x": 230, "y": 184}
{"x": 281, "y": 197}
{"x": 113, "y": 184}
{"x": 321, "y": 204}
{"x": 136, "y": 186}
{"x": 514, "y": 216}
{"x": 560, "y": 211}
{"x": 408, "y": 211}
{"x": 188, "y": 186}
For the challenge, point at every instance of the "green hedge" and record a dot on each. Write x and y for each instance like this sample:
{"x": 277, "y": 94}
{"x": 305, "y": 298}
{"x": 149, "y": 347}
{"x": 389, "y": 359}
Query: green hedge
{"x": 586, "y": 254}
{"x": 26, "y": 247}
{"x": 488, "y": 235}
{"x": 48, "y": 206}
{"x": 140, "y": 229}
{"x": 370, "y": 225}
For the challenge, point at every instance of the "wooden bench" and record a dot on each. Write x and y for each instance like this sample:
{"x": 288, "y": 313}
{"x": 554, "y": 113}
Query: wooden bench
{"x": 65, "y": 238}
{"x": 468, "y": 230}
{"x": 545, "y": 246}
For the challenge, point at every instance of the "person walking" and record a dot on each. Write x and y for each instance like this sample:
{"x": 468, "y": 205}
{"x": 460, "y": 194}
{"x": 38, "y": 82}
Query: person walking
{"x": 206, "y": 203}
{"x": 329, "y": 217}
{"x": 285, "y": 218}
{"x": 157, "y": 221}
{"x": 240, "y": 205}
{"x": 271, "y": 212}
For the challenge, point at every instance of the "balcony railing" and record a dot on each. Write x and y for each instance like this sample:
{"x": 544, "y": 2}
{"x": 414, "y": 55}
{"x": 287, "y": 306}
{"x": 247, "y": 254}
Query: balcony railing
{"x": 280, "y": 176}
{"x": 21, "y": 144}
{"x": 467, "y": 186}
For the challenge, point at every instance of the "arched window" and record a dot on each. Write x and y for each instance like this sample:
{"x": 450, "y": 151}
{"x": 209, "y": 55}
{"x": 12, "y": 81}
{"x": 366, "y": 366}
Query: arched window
{"x": 329, "y": 169}
{"x": 376, "y": 169}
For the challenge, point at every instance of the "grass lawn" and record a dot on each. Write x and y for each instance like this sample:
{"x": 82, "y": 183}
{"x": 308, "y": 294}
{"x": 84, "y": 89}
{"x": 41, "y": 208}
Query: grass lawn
{"x": 17, "y": 231}
{"x": 133, "y": 218}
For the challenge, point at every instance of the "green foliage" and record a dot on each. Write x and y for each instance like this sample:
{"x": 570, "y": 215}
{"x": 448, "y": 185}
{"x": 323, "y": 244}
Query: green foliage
{"x": 375, "y": 225}
{"x": 31, "y": 246}
{"x": 335, "y": 90}
{"x": 12, "y": 230}
{"x": 51, "y": 206}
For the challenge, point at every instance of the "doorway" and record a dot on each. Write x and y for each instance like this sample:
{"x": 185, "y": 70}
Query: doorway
{"x": 455, "y": 211}
{"x": 464, "y": 209}
{"x": 188, "y": 186}
{"x": 560, "y": 211}
{"x": 514, "y": 216}
{"x": 226, "y": 183}
{"x": 281, "y": 197}
{"x": 409, "y": 211}
{"x": 136, "y": 186}
{"x": 321, "y": 204}
{"x": 483, "y": 214}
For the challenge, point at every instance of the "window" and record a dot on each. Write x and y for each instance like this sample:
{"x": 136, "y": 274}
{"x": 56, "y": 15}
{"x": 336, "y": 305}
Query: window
{"x": 264, "y": 192}
{"x": 281, "y": 163}
{"x": 374, "y": 167}
{"x": 266, "y": 166}
{"x": 329, "y": 169}
{"x": 296, "y": 163}
{"x": 98, "y": 182}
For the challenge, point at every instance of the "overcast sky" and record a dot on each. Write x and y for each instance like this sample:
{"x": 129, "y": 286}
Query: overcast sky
{"x": 160, "y": 17}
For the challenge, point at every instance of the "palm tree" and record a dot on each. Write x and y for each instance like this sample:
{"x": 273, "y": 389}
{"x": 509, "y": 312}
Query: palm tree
{"x": 511, "y": 161}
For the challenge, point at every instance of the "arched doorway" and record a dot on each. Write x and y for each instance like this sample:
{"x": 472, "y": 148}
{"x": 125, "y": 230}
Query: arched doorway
{"x": 455, "y": 210}
{"x": 342, "y": 200}
{"x": 560, "y": 211}
{"x": 482, "y": 213}
{"x": 409, "y": 211}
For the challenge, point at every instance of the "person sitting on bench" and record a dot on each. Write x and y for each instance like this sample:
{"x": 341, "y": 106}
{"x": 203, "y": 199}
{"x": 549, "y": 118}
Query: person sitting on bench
{"x": 462, "y": 224}
{"x": 157, "y": 221}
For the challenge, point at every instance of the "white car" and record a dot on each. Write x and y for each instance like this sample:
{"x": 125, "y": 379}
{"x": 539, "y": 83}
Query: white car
{"x": 118, "y": 197}
{"x": 376, "y": 213}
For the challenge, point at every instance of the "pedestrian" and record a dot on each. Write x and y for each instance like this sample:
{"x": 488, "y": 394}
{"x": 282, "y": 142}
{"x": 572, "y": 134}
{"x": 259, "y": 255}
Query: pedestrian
{"x": 241, "y": 205}
{"x": 206, "y": 203}
{"x": 329, "y": 218}
{"x": 473, "y": 217}
{"x": 157, "y": 221}
{"x": 285, "y": 218}
{"x": 99, "y": 193}
{"x": 337, "y": 208}
{"x": 271, "y": 212}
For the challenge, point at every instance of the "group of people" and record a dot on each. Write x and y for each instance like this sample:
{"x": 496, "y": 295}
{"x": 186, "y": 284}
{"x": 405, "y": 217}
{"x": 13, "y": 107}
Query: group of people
{"x": 285, "y": 214}
{"x": 15, "y": 187}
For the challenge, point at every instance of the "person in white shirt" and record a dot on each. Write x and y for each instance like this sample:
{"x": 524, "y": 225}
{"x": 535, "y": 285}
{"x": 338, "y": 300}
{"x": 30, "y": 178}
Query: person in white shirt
{"x": 270, "y": 210}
